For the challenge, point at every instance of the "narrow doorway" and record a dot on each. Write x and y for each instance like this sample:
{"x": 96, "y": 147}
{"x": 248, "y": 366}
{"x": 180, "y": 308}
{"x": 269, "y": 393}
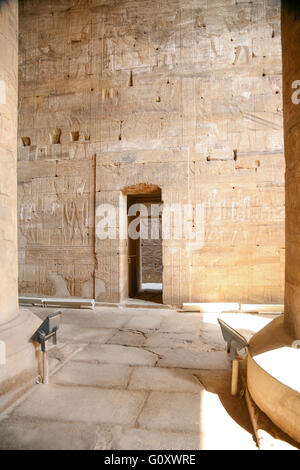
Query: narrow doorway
{"x": 145, "y": 249}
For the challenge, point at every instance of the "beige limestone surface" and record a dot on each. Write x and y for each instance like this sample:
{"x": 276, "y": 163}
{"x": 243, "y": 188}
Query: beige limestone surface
{"x": 126, "y": 401}
{"x": 8, "y": 160}
{"x": 291, "y": 74}
{"x": 18, "y": 358}
{"x": 273, "y": 357}
{"x": 186, "y": 97}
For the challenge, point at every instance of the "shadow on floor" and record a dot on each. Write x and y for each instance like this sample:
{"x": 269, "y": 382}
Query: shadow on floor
{"x": 150, "y": 295}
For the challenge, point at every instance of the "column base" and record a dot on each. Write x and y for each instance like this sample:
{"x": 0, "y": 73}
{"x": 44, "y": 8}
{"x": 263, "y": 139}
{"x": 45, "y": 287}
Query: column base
{"x": 273, "y": 376}
{"x": 19, "y": 357}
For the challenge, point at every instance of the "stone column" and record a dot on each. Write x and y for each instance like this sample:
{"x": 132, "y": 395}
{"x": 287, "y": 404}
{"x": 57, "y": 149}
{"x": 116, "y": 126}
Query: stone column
{"x": 17, "y": 353}
{"x": 8, "y": 159}
{"x": 291, "y": 108}
{"x": 272, "y": 360}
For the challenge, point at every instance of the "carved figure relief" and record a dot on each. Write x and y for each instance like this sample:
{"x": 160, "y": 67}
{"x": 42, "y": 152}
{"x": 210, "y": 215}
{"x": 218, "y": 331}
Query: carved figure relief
{"x": 75, "y": 217}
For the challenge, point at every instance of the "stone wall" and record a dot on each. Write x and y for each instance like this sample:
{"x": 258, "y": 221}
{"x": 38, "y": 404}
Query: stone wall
{"x": 151, "y": 252}
{"x": 8, "y": 159}
{"x": 151, "y": 261}
{"x": 180, "y": 94}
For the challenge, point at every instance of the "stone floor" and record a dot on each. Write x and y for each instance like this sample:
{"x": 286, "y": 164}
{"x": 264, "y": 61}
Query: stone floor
{"x": 134, "y": 378}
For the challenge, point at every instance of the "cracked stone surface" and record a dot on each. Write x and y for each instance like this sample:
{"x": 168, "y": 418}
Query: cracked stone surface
{"x": 128, "y": 338}
{"x": 181, "y": 323}
{"x": 45, "y": 435}
{"x": 170, "y": 340}
{"x": 140, "y": 378}
{"x": 194, "y": 359}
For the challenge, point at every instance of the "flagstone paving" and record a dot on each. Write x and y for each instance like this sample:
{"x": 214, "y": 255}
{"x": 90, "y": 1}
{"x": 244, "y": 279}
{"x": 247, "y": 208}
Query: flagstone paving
{"x": 140, "y": 378}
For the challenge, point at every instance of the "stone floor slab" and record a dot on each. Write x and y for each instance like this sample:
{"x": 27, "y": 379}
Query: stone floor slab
{"x": 116, "y": 354}
{"x": 172, "y": 412}
{"x": 78, "y": 334}
{"x": 189, "y": 359}
{"x": 82, "y": 404}
{"x": 181, "y": 323}
{"x": 110, "y": 395}
{"x": 203, "y": 413}
{"x": 144, "y": 322}
{"x": 128, "y": 338}
{"x": 96, "y": 375}
{"x": 95, "y": 320}
{"x": 165, "y": 380}
{"x": 141, "y": 439}
{"x": 169, "y": 340}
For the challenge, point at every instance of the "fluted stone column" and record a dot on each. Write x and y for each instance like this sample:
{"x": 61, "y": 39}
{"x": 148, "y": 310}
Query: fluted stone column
{"x": 8, "y": 159}
{"x": 17, "y": 353}
{"x": 291, "y": 101}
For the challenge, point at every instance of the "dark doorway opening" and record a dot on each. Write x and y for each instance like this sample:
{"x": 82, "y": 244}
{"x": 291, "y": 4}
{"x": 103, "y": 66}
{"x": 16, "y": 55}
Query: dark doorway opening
{"x": 145, "y": 252}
